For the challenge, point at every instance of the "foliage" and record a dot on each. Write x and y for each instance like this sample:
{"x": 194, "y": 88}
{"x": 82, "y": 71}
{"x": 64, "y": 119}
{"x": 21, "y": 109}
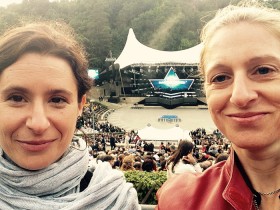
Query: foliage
{"x": 144, "y": 181}
{"x": 103, "y": 25}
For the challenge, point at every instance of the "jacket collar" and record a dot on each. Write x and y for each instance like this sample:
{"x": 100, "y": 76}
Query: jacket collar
{"x": 237, "y": 192}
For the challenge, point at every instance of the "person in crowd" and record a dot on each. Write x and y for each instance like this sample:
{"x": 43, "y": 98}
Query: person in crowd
{"x": 240, "y": 64}
{"x": 182, "y": 160}
{"x": 112, "y": 142}
{"x": 126, "y": 140}
{"x": 138, "y": 166}
{"x": 108, "y": 158}
{"x": 103, "y": 143}
{"x": 221, "y": 157}
{"x": 167, "y": 147}
{"x": 118, "y": 161}
{"x": 163, "y": 165}
{"x": 128, "y": 163}
{"x": 145, "y": 146}
{"x": 172, "y": 149}
{"x": 43, "y": 83}
{"x": 206, "y": 163}
{"x": 149, "y": 164}
{"x": 162, "y": 147}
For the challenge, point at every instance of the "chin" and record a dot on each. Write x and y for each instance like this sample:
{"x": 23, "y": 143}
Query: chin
{"x": 34, "y": 166}
{"x": 249, "y": 144}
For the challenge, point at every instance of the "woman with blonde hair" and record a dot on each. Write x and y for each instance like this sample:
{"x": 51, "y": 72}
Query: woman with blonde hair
{"x": 240, "y": 63}
{"x": 128, "y": 163}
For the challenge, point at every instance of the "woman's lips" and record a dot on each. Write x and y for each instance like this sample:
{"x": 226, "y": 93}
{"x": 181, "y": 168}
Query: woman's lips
{"x": 35, "y": 146}
{"x": 247, "y": 117}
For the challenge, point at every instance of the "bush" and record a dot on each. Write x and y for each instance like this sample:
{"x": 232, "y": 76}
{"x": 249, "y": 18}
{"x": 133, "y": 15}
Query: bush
{"x": 146, "y": 184}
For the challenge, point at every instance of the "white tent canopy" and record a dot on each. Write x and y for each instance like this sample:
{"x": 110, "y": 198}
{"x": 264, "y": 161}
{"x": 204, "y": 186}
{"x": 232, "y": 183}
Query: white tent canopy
{"x": 135, "y": 53}
{"x": 156, "y": 134}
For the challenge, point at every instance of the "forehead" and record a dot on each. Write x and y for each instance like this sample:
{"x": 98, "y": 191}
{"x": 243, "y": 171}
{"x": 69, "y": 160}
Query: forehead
{"x": 240, "y": 41}
{"x": 36, "y": 69}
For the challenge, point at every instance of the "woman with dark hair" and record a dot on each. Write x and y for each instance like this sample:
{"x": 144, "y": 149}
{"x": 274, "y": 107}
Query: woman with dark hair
{"x": 43, "y": 85}
{"x": 149, "y": 164}
{"x": 182, "y": 160}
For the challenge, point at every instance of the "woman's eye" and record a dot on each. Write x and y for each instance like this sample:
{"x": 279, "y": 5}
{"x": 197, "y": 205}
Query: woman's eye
{"x": 58, "y": 100}
{"x": 220, "y": 78}
{"x": 263, "y": 70}
{"x": 16, "y": 98}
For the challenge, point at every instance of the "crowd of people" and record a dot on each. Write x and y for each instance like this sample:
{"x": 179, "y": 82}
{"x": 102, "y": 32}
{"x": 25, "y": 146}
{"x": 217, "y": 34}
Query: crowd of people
{"x": 125, "y": 150}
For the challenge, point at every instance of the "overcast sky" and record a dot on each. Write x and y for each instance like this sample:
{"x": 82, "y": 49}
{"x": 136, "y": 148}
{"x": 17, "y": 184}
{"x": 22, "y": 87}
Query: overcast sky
{"x": 4, "y": 3}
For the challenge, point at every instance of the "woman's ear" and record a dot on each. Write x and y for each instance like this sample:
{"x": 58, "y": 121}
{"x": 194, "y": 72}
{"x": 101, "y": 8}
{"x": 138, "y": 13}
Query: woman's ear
{"x": 81, "y": 104}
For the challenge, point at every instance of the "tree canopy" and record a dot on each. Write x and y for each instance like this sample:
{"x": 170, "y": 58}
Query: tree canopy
{"x": 103, "y": 26}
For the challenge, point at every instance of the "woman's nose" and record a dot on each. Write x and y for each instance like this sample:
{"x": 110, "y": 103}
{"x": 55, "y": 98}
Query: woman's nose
{"x": 38, "y": 121}
{"x": 243, "y": 91}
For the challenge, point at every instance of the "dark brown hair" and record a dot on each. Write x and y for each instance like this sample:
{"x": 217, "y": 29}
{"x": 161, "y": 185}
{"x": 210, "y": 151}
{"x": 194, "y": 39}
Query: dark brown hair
{"x": 185, "y": 147}
{"x": 54, "y": 39}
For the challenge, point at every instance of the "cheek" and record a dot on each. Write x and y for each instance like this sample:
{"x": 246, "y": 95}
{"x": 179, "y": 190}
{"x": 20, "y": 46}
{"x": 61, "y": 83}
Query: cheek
{"x": 8, "y": 130}
{"x": 9, "y": 125}
{"x": 66, "y": 126}
{"x": 216, "y": 104}
{"x": 272, "y": 95}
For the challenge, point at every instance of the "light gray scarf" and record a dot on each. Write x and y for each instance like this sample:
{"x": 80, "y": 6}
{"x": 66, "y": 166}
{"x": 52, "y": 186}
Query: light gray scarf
{"x": 57, "y": 186}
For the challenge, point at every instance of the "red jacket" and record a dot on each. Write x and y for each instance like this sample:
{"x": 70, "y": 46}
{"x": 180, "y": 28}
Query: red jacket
{"x": 220, "y": 187}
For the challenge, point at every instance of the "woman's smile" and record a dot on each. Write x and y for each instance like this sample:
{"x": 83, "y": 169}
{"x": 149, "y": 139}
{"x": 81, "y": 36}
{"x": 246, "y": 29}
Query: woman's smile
{"x": 36, "y": 145}
{"x": 247, "y": 118}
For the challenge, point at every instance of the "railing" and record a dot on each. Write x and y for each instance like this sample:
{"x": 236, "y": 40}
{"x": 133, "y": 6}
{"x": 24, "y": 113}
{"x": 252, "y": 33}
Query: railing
{"x": 147, "y": 207}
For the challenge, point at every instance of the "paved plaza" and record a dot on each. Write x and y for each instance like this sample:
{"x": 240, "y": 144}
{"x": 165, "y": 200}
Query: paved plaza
{"x": 129, "y": 118}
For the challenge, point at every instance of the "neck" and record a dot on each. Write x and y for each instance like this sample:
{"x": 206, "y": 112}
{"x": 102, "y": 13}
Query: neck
{"x": 262, "y": 167}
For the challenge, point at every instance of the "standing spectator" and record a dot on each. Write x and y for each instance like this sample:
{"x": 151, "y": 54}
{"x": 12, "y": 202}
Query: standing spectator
{"x": 162, "y": 148}
{"x": 112, "y": 142}
{"x": 126, "y": 140}
{"x": 103, "y": 143}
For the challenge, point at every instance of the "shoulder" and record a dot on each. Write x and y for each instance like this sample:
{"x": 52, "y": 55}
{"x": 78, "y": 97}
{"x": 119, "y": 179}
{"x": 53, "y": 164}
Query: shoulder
{"x": 187, "y": 190}
{"x": 182, "y": 167}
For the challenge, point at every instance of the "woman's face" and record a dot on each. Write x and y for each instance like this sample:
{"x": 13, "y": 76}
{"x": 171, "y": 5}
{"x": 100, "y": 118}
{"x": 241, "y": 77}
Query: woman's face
{"x": 38, "y": 110}
{"x": 242, "y": 84}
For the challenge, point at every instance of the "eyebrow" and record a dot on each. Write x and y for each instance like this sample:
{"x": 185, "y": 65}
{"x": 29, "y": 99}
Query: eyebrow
{"x": 251, "y": 61}
{"x": 60, "y": 91}
{"x": 213, "y": 67}
{"x": 10, "y": 89}
{"x": 20, "y": 89}
{"x": 263, "y": 57}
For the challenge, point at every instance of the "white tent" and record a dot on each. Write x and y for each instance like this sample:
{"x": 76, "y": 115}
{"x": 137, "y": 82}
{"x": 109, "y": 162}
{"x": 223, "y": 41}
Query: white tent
{"x": 135, "y": 53}
{"x": 156, "y": 134}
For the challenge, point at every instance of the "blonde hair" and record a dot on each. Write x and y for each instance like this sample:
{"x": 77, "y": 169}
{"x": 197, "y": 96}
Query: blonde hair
{"x": 128, "y": 163}
{"x": 247, "y": 11}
